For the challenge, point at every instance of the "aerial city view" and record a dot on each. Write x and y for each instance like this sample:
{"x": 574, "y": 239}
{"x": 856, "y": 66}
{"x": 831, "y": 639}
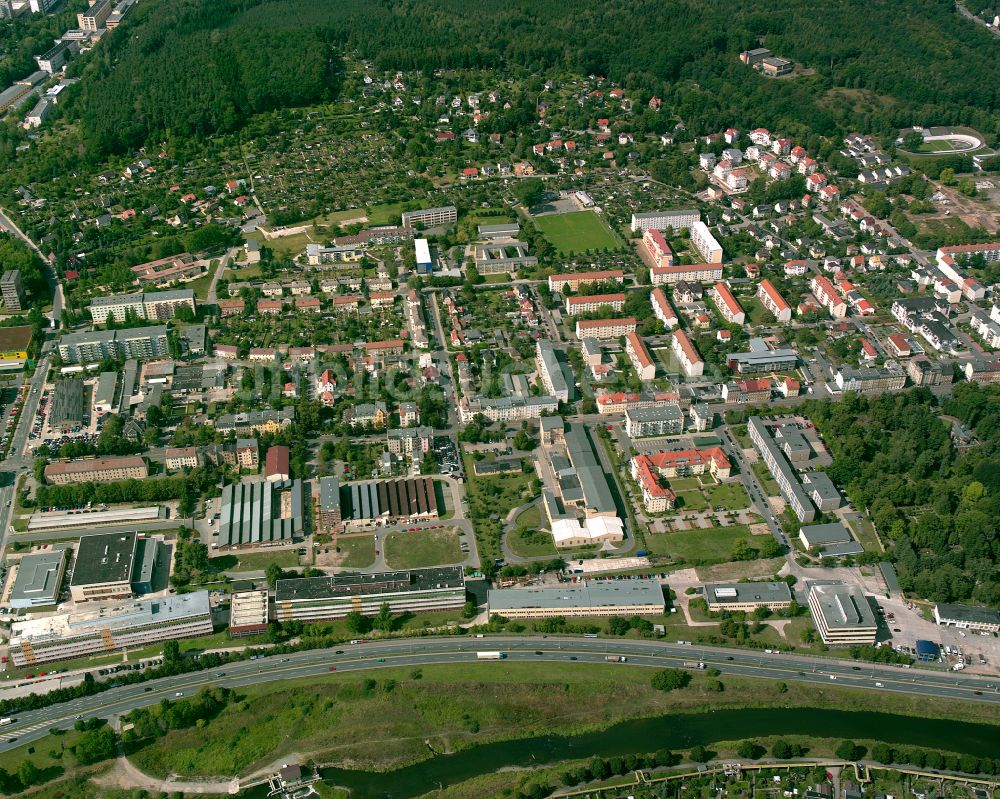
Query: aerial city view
{"x": 425, "y": 399}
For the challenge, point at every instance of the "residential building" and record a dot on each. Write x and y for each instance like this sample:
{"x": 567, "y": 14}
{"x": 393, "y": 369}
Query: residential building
{"x": 662, "y": 308}
{"x": 430, "y": 217}
{"x": 781, "y": 470}
{"x": 172, "y": 269}
{"x": 318, "y": 254}
{"x": 97, "y": 470}
{"x": 367, "y": 414}
{"x": 605, "y": 328}
{"x": 827, "y": 296}
{"x": 658, "y": 248}
{"x": 966, "y": 617}
{"x": 552, "y": 430}
{"x": 687, "y": 356}
{"x": 577, "y": 304}
{"x": 94, "y": 18}
{"x": 705, "y": 243}
{"x": 658, "y": 420}
{"x": 639, "y": 357}
{"x": 987, "y": 328}
{"x": 983, "y": 370}
{"x": 260, "y": 422}
{"x": 177, "y": 458}
{"x": 506, "y": 409}
{"x": 925, "y": 372}
{"x": 821, "y": 491}
{"x": 773, "y": 301}
{"x": 697, "y": 273}
{"x": 842, "y": 614}
{"x": 310, "y": 599}
{"x": 140, "y": 343}
{"x": 577, "y": 279}
{"x": 619, "y": 402}
{"x": 832, "y": 539}
{"x": 747, "y": 597}
{"x": 727, "y": 304}
{"x": 12, "y": 291}
{"x": 588, "y": 599}
{"x": 870, "y": 379}
{"x": 747, "y": 392}
{"x": 110, "y": 628}
{"x": 665, "y": 220}
{"x": 685, "y": 462}
{"x": 551, "y": 371}
{"x": 159, "y": 305}
{"x": 657, "y": 497}
{"x": 412, "y": 441}
{"x": 55, "y": 58}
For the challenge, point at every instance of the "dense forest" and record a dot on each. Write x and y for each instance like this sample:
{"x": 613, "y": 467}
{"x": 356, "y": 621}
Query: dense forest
{"x": 201, "y": 66}
{"x": 935, "y": 507}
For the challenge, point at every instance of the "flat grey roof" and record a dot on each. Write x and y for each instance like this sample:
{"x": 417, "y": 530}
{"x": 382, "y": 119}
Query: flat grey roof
{"x": 599, "y": 594}
{"x": 348, "y": 585}
{"x": 740, "y": 593}
{"x": 788, "y": 474}
{"x": 656, "y": 413}
{"x": 844, "y": 607}
{"x": 37, "y": 580}
{"x": 820, "y": 483}
{"x": 329, "y": 493}
{"x": 820, "y": 534}
{"x": 593, "y": 480}
{"x": 104, "y": 558}
{"x": 967, "y": 613}
{"x": 67, "y": 405}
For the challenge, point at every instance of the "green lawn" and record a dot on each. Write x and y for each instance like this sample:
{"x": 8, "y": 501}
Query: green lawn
{"x": 255, "y": 561}
{"x": 529, "y": 541}
{"x": 684, "y": 483}
{"x": 757, "y": 314}
{"x": 866, "y": 535}
{"x": 359, "y": 551}
{"x": 764, "y": 478}
{"x": 690, "y": 500}
{"x": 731, "y": 496}
{"x": 578, "y": 231}
{"x": 201, "y": 285}
{"x": 289, "y": 246}
{"x": 423, "y": 548}
{"x": 700, "y": 546}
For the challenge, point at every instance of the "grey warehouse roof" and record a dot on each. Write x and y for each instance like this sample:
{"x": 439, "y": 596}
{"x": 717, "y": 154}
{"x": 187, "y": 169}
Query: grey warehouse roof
{"x": 603, "y": 593}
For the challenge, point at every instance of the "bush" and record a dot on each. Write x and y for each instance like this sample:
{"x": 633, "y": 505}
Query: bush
{"x": 670, "y": 679}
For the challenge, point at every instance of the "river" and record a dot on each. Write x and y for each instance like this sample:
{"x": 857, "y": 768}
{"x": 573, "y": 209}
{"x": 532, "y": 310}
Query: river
{"x": 677, "y": 732}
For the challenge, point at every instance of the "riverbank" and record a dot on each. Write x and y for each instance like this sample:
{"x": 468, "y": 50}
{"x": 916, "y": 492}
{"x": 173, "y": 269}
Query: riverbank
{"x": 406, "y": 716}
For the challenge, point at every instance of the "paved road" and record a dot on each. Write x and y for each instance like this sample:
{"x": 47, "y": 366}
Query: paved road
{"x": 32, "y": 725}
{"x": 969, "y": 15}
{"x": 212, "y": 297}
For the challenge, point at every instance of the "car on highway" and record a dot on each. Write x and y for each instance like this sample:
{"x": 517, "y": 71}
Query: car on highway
{"x": 573, "y": 657}
{"x": 538, "y": 651}
{"x": 178, "y": 693}
{"x": 147, "y": 689}
{"x": 339, "y": 652}
{"x": 333, "y": 668}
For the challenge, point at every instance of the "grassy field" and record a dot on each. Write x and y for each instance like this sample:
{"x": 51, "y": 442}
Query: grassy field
{"x": 577, "y": 231}
{"x": 690, "y": 500}
{"x": 731, "y": 496}
{"x": 757, "y": 314}
{"x": 766, "y": 481}
{"x": 529, "y": 542}
{"x": 202, "y": 284}
{"x": 289, "y": 246}
{"x": 359, "y": 551}
{"x": 712, "y": 545}
{"x": 424, "y": 548}
{"x": 255, "y": 561}
{"x": 865, "y": 532}
{"x": 337, "y": 718}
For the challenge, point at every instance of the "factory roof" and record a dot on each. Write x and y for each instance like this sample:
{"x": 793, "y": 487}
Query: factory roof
{"x": 599, "y": 594}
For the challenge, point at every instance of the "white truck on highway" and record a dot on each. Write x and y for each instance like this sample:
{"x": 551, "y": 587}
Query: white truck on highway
{"x": 5, "y": 721}
{"x": 616, "y": 659}
{"x": 694, "y": 664}
{"x": 490, "y": 655}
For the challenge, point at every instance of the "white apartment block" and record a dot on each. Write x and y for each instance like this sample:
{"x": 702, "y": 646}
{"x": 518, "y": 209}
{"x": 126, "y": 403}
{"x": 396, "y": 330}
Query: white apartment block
{"x": 662, "y": 308}
{"x": 665, "y": 220}
{"x": 658, "y": 248}
{"x": 687, "y": 355}
{"x": 576, "y": 279}
{"x": 727, "y": 304}
{"x": 827, "y": 295}
{"x": 639, "y": 357}
{"x": 430, "y": 217}
{"x": 705, "y": 243}
{"x": 692, "y": 273}
{"x": 605, "y": 328}
{"x": 580, "y": 305}
{"x": 157, "y": 305}
{"x": 773, "y": 301}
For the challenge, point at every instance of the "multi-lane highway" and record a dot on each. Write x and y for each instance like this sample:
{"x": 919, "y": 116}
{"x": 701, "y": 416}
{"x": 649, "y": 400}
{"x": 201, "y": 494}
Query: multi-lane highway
{"x": 32, "y": 725}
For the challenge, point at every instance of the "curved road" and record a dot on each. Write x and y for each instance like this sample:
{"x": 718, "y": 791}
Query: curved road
{"x": 32, "y": 725}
